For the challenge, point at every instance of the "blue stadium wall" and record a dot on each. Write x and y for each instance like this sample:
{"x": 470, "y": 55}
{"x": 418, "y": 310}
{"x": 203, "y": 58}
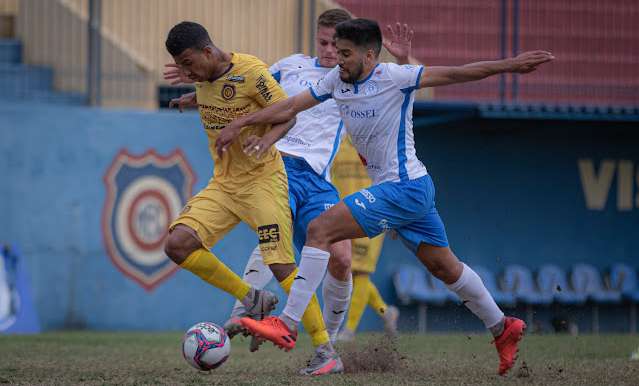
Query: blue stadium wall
{"x": 526, "y": 191}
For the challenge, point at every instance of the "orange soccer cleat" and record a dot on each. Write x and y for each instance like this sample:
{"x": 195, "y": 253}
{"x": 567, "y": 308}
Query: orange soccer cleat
{"x": 506, "y": 343}
{"x": 271, "y": 328}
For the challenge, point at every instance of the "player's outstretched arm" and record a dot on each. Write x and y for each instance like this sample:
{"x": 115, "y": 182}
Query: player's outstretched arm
{"x": 521, "y": 64}
{"x": 279, "y": 112}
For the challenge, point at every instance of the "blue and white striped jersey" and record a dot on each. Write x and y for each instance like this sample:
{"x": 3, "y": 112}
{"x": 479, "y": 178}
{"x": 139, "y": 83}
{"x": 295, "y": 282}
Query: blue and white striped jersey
{"x": 378, "y": 114}
{"x": 318, "y": 132}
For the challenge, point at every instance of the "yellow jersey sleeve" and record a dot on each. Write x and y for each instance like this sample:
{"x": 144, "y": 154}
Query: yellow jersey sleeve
{"x": 266, "y": 89}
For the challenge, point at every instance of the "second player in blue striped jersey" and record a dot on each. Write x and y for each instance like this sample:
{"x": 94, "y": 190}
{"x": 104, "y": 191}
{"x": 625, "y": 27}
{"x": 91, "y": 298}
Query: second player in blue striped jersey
{"x": 318, "y": 132}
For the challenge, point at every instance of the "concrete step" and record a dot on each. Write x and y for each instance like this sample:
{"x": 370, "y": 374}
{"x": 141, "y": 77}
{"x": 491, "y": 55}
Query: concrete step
{"x": 17, "y": 78}
{"x": 10, "y": 51}
{"x": 39, "y": 96}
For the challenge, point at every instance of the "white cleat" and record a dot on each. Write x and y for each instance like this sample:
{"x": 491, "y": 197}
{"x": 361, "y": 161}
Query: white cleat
{"x": 264, "y": 303}
{"x": 233, "y": 326}
{"x": 325, "y": 361}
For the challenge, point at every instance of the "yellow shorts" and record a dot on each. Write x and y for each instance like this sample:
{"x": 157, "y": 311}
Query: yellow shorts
{"x": 262, "y": 204}
{"x": 365, "y": 253}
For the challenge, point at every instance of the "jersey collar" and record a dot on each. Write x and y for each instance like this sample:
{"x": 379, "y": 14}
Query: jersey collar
{"x": 368, "y": 77}
{"x": 233, "y": 59}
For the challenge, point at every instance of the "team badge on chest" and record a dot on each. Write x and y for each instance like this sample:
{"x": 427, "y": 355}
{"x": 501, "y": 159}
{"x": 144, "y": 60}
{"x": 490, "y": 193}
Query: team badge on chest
{"x": 228, "y": 92}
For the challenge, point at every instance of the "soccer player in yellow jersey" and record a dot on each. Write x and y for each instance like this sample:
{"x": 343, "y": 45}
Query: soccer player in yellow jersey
{"x": 349, "y": 176}
{"x": 243, "y": 188}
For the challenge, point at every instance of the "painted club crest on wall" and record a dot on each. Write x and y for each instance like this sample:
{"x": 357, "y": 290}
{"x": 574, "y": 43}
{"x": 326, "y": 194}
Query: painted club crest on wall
{"x": 144, "y": 194}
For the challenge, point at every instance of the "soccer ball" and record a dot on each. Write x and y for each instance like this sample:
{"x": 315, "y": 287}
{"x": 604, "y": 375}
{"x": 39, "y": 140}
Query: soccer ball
{"x": 206, "y": 346}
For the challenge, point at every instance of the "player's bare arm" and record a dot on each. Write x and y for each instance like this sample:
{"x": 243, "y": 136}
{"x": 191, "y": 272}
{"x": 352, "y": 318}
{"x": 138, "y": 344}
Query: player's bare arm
{"x": 521, "y": 64}
{"x": 257, "y": 146}
{"x": 188, "y": 100}
{"x": 279, "y": 112}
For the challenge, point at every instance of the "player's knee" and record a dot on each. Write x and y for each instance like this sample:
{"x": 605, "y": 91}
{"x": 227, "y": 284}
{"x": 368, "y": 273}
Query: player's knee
{"x": 316, "y": 235}
{"x": 172, "y": 249}
{"x": 446, "y": 271}
{"x": 178, "y": 247}
{"x": 341, "y": 256}
{"x": 441, "y": 262}
{"x": 439, "y": 272}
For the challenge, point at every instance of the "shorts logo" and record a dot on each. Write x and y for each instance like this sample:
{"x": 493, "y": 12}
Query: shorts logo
{"x": 368, "y": 195}
{"x": 328, "y": 206}
{"x": 143, "y": 195}
{"x": 383, "y": 223}
{"x": 359, "y": 203}
{"x": 228, "y": 92}
{"x": 268, "y": 233}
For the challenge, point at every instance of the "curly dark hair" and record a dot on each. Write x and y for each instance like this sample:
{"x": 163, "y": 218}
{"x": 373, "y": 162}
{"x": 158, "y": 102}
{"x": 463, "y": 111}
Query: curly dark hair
{"x": 186, "y": 35}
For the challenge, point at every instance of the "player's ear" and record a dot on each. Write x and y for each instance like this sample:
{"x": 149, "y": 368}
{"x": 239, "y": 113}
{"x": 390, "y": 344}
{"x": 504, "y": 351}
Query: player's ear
{"x": 208, "y": 51}
{"x": 370, "y": 56}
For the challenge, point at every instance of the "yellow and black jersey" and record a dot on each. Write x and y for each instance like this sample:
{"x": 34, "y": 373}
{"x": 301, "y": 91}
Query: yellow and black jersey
{"x": 246, "y": 87}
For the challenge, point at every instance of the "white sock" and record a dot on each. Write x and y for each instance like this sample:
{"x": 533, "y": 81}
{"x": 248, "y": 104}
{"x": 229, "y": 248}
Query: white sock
{"x": 337, "y": 297}
{"x": 313, "y": 263}
{"x": 473, "y": 293}
{"x": 256, "y": 274}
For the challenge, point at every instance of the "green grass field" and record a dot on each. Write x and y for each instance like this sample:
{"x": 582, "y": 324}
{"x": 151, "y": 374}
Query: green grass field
{"x": 88, "y": 358}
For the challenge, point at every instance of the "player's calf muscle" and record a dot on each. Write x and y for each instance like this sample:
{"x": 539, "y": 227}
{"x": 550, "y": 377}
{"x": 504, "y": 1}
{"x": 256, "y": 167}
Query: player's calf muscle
{"x": 281, "y": 271}
{"x": 441, "y": 262}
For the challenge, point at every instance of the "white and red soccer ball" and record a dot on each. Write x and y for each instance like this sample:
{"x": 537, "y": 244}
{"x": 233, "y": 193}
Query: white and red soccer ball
{"x": 206, "y": 346}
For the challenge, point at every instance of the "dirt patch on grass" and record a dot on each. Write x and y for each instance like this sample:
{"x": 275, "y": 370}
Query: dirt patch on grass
{"x": 380, "y": 354}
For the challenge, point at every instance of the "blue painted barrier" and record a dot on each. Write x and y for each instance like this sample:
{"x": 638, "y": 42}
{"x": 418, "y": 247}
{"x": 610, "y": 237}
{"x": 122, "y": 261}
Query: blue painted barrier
{"x": 509, "y": 191}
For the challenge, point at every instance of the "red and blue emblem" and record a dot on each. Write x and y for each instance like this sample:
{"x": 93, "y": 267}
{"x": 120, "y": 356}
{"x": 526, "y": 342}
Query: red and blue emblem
{"x": 145, "y": 194}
